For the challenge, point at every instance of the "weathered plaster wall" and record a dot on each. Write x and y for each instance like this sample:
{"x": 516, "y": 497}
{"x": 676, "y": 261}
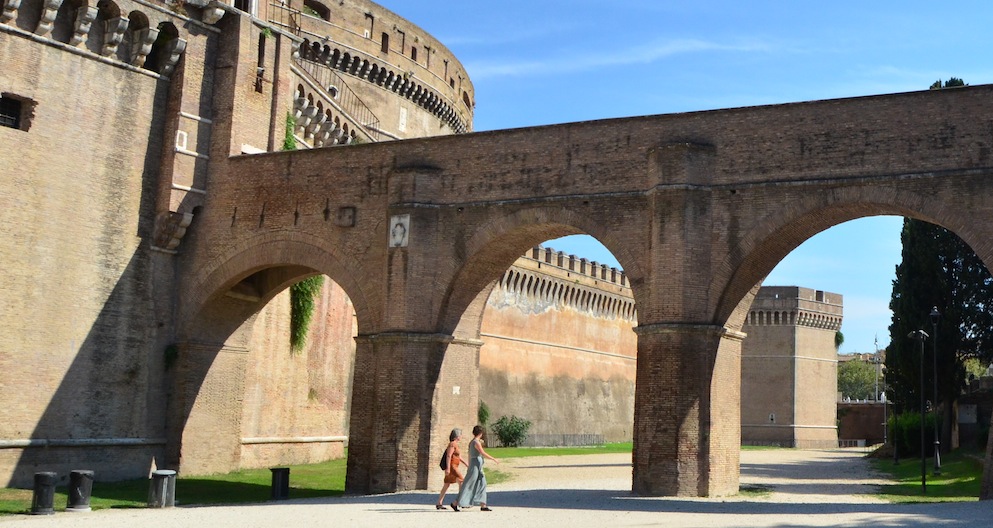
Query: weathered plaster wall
{"x": 553, "y": 356}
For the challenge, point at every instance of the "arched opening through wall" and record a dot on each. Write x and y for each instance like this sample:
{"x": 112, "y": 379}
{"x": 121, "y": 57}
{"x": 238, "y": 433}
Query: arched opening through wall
{"x": 559, "y": 348}
{"x": 828, "y": 360}
{"x": 298, "y": 382}
{"x": 828, "y": 298}
{"x": 281, "y": 343}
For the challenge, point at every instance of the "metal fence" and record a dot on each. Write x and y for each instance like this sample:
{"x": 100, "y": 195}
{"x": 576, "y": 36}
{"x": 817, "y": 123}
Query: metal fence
{"x": 561, "y": 440}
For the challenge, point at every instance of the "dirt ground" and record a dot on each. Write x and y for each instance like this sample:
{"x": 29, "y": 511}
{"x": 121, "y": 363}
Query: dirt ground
{"x": 805, "y": 488}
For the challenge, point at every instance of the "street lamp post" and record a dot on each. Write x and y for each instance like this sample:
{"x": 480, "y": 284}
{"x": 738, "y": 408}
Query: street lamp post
{"x": 934, "y": 341}
{"x": 921, "y": 336}
{"x": 886, "y": 420}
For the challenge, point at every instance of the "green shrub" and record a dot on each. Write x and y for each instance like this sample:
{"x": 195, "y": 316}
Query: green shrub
{"x": 483, "y": 414}
{"x": 905, "y": 432}
{"x": 511, "y": 431}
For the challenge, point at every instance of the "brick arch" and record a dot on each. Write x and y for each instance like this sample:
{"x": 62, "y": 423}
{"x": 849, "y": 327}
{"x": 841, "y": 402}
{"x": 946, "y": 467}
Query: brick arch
{"x": 496, "y": 245}
{"x": 289, "y": 259}
{"x": 777, "y": 234}
{"x": 212, "y": 337}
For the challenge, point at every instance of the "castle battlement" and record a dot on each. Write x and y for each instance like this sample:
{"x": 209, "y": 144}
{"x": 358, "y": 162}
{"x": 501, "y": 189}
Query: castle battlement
{"x": 573, "y": 264}
{"x": 371, "y": 43}
{"x": 794, "y": 305}
{"x": 544, "y": 277}
{"x": 137, "y": 36}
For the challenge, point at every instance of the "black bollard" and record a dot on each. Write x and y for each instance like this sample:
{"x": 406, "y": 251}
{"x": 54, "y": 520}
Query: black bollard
{"x": 80, "y": 488}
{"x": 162, "y": 490}
{"x": 43, "y": 500}
{"x": 280, "y": 483}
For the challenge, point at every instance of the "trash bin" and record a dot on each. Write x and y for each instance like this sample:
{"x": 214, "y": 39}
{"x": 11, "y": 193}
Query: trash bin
{"x": 43, "y": 500}
{"x": 80, "y": 488}
{"x": 280, "y": 483}
{"x": 162, "y": 490}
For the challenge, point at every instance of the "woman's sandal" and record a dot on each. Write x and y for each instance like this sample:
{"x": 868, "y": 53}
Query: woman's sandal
{"x": 485, "y": 508}
{"x": 439, "y": 507}
{"x": 455, "y": 506}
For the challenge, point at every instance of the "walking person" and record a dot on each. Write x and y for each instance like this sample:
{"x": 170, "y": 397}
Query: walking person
{"x": 472, "y": 492}
{"x": 454, "y": 458}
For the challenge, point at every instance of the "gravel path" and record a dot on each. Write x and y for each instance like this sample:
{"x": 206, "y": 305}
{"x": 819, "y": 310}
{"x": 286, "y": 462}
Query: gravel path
{"x": 807, "y": 488}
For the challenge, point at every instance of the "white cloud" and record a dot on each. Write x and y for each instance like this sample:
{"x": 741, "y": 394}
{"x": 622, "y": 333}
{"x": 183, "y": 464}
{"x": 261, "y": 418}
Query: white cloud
{"x": 645, "y": 54}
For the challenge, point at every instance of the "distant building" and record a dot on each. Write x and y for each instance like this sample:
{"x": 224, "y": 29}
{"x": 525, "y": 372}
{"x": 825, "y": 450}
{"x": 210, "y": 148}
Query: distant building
{"x": 789, "y": 368}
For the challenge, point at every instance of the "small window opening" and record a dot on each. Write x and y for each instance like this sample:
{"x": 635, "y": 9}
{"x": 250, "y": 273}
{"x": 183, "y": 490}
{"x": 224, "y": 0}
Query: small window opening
{"x": 10, "y": 112}
{"x": 413, "y": 53}
{"x": 243, "y": 5}
{"x": 386, "y": 43}
{"x": 260, "y": 65}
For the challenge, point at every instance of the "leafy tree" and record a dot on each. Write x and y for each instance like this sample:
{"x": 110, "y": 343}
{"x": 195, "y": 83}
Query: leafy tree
{"x": 952, "y": 82}
{"x": 857, "y": 379}
{"x": 938, "y": 270}
{"x": 974, "y": 329}
{"x": 974, "y": 368}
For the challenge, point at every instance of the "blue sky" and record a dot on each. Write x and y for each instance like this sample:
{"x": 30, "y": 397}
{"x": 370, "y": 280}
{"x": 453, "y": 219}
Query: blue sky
{"x": 544, "y": 62}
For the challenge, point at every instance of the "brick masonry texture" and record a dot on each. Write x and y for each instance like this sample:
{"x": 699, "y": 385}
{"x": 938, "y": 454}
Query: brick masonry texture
{"x": 139, "y": 273}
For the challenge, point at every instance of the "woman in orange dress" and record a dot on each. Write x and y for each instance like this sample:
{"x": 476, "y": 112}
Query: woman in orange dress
{"x": 452, "y": 474}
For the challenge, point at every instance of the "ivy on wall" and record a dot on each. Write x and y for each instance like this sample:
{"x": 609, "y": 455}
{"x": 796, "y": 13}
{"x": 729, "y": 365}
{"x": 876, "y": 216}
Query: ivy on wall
{"x": 303, "y": 293}
{"x": 289, "y": 143}
{"x": 302, "y": 296}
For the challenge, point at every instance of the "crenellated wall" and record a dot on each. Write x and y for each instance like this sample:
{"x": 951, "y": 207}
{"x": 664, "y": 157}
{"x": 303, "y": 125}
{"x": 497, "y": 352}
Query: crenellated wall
{"x": 409, "y": 83}
{"x": 126, "y": 183}
{"x": 559, "y": 349}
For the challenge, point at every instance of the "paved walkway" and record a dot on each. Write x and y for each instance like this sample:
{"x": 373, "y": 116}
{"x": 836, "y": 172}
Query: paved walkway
{"x": 807, "y": 488}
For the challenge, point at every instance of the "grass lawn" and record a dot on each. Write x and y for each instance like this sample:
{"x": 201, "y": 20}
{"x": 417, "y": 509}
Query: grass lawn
{"x": 961, "y": 476}
{"x": 255, "y": 485}
{"x": 959, "y": 481}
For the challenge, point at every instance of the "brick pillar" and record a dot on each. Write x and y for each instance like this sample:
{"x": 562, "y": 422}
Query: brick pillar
{"x": 403, "y": 383}
{"x": 687, "y": 411}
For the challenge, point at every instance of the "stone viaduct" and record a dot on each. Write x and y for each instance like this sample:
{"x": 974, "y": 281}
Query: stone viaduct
{"x": 697, "y": 208}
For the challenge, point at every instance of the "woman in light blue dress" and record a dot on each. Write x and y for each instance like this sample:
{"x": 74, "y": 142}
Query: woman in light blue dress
{"x": 473, "y": 489}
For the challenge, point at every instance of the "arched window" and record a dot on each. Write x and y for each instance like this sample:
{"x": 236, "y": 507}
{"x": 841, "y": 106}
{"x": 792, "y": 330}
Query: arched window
{"x": 317, "y": 9}
{"x": 101, "y": 37}
{"x": 65, "y": 20}
{"x": 159, "y": 55}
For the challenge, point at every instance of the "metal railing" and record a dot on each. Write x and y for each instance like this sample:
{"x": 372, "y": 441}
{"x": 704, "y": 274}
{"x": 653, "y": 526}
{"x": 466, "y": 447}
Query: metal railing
{"x": 338, "y": 90}
{"x": 563, "y": 439}
{"x": 289, "y": 19}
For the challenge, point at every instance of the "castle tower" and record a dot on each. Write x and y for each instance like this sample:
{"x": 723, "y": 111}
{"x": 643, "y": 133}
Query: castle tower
{"x": 789, "y": 373}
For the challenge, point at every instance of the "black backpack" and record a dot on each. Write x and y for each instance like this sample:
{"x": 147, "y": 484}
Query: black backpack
{"x": 444, "y": 460}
